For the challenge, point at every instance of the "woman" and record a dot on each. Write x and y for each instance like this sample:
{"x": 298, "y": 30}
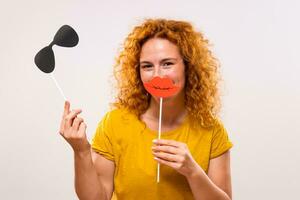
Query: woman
{"x": 194, "y": 151}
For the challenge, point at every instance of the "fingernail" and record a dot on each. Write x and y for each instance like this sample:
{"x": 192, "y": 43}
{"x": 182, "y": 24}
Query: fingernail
{"x": 155, "y": 140}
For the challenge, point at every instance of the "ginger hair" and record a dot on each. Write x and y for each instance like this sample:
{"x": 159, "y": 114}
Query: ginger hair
{"x": 202, "y": 98}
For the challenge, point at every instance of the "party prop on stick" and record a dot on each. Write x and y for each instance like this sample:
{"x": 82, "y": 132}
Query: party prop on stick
{"x": 162, "y": 88}
{"x": 45, "y": 60}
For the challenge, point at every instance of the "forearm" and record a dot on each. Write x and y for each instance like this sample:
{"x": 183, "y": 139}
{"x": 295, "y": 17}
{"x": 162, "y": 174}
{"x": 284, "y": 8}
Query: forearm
{"x": 87, "y": 184}
{"x": 203, "y": 188}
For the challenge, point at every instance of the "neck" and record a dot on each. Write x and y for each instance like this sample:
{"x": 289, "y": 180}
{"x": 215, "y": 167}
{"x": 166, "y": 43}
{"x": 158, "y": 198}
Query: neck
{"x": 173, "y": 110}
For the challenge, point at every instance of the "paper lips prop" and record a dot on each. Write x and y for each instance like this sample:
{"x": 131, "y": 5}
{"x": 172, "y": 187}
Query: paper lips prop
{"x": 161, "y": 87}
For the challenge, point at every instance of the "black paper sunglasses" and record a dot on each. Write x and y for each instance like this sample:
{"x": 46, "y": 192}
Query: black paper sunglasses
{"x": 64, "y": 37}
{"x": 45, "y": 59}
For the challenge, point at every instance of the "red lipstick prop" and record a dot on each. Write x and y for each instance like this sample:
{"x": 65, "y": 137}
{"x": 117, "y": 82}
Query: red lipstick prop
{"x": 162, "y": 88}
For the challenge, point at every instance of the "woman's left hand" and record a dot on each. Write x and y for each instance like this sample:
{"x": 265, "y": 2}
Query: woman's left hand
{"x": 175, "y": 155}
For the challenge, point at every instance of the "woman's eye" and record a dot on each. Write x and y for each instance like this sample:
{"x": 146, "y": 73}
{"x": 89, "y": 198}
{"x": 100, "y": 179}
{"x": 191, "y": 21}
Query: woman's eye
{"x": 167, "y": 63}
{"x": 146, "y": 66}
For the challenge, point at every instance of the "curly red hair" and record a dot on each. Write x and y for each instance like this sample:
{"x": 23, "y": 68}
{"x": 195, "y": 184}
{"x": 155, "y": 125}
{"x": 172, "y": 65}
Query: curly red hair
{"x": 202, "y": 99}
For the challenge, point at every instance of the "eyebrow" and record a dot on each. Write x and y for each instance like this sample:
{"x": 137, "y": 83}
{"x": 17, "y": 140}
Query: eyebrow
{"x": 163, "y": 60}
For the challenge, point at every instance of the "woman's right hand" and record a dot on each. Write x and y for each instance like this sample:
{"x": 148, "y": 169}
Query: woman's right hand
{"x": 73, "y": 129}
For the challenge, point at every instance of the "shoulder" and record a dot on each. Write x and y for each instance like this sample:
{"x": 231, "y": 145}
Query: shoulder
{"x": 216, "y": 128}
{"x": 219, "y": 132}
{"x": 217, "y": 124}
{"x": 118, "y": 115}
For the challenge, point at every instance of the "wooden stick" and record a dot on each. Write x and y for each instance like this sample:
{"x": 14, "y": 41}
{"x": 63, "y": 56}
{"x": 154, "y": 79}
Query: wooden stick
{"x": 159, "y": 132}
{"x": 56, "y": 83}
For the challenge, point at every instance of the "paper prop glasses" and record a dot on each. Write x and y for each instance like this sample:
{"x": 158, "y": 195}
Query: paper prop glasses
{"x": 45, "y": 59}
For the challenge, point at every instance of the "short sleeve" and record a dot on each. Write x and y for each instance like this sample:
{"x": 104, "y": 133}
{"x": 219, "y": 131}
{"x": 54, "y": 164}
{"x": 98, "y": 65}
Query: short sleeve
{"x": 220, "y": 141}
{"x": 102, "y": 141}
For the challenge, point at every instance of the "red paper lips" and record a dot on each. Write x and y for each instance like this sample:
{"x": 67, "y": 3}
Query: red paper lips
{"x": 161, "y": 87}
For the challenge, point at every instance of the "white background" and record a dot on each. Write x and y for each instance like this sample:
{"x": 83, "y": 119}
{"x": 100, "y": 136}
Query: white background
{"x": 256, "y": 41}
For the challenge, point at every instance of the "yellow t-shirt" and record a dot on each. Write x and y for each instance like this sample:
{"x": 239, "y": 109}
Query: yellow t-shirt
{"x": 124, "y": 139}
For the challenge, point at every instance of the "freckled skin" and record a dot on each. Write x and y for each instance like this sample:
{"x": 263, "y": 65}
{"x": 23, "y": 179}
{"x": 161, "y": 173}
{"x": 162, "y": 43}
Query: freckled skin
{"x": 154, "y": 51}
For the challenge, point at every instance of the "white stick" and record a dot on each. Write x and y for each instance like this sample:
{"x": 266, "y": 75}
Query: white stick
{"x": 159, "y": 132}
{"x": 52, "y": 76}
